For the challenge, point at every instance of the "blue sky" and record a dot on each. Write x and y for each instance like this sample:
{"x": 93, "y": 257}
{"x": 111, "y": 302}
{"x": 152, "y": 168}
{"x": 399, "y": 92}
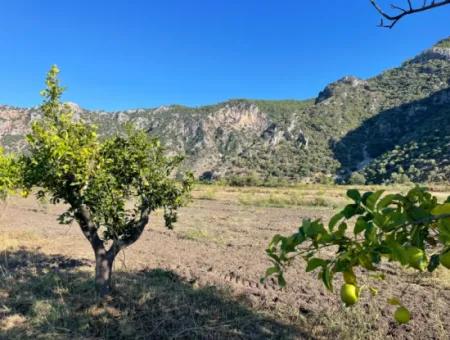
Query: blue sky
{"x": 145, "y": 53}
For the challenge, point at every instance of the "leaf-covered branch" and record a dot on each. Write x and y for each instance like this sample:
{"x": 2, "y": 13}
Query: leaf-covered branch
{"x": 412, "y": 230}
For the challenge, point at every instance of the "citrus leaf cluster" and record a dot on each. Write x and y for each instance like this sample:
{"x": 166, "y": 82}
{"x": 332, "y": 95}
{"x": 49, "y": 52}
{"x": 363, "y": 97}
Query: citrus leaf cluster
{"x": 412, "y": 230}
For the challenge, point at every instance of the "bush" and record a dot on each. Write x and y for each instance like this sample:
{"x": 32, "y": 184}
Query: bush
{"x": 401, "y": 178}
{"x": 357, "y": 179}
{"x": 244, "y": 180}
{"x": 208, "y": 177}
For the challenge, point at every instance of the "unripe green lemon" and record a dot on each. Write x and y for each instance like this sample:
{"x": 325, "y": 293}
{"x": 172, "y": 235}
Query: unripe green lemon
{"x": 349, "y": 294}
{"x": 350, "y": 278}
{"x": 416, "y": 258}
{"x": 445, "y": 259}
{"x": 402, "y": 315}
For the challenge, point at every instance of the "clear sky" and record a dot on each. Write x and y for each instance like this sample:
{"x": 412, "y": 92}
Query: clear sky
{"x": 145, "y": 53}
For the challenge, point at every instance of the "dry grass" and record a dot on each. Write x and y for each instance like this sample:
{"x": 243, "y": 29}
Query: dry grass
{"x": 201, "y": 235}
{"x": 207, "y": 193}
{"x": 52, "y": 297}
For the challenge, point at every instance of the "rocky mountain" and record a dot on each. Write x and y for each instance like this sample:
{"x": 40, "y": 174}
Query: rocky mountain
{"x": 395, "y": 126}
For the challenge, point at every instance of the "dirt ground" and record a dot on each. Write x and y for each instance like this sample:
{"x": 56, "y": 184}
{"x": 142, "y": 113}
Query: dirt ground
{"x": 220, "y": 240}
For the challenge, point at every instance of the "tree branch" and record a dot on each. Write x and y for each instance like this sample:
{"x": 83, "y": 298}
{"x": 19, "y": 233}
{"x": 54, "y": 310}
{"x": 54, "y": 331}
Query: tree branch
{"x": 83, "y": 216}
{"x": 136, "y": 227}
{"x": 394, "y": 18}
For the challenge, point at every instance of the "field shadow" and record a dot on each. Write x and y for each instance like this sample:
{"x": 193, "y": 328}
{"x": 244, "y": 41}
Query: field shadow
{"x": 52, "y": 297}
{"x": 394, "y": 126}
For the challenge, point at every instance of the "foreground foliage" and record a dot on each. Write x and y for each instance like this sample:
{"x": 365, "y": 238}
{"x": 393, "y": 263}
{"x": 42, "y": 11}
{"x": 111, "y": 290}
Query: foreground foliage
{"x": 412, "y": 230}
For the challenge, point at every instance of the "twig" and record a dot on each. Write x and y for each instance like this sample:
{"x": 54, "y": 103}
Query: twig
{"x": 393, "y": 19}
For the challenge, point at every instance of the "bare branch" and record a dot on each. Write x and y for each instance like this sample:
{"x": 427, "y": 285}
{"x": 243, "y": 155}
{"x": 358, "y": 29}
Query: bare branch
{"x": 392, "y": 19}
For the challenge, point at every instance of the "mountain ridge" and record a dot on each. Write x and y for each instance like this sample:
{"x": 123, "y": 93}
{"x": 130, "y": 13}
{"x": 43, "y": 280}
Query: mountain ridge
{"x": 353, "y": 125}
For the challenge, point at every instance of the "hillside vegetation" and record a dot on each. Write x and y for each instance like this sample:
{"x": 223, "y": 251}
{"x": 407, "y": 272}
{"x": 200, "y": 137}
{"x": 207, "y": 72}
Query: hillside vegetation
{"x": 389, "y": 128}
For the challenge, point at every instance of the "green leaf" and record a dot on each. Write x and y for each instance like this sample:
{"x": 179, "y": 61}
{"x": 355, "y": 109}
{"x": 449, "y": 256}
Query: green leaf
{"x": 360, "y": 225}
{"x": 299, "y": 237}
{"x": 398, "y": 252}
{"x": 313, "y": 228}
{"x": 272, "y": 270}
{"x": 342, "y": 263}
{"x": 386, "y": 201}
{"x": 350, "y": 211}
{"x": 390, "y": 219}
{"x": 373, "y": 198}
{"x": 379, "y": 219}
{"x": 315, "y": 263}
{"x": 334, "y": 220}
{"x": 418, "y": 213}
{"x": 365, "y": 196}
{"x": 370, "y": 233}
{"x": 442, "y": 209}
{"x": 281, "y": 280}
{"x": 366, "y": 262}
{"x": 444, "y": 231}
{"x": 275, "y": 240}
{"x": 327, "y": 278}
{"x": 341, "y": 230}
{"x": 354, "y": 195}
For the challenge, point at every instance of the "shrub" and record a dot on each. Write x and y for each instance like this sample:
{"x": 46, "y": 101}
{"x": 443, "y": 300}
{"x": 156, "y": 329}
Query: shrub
{"x": 357, "y": 179}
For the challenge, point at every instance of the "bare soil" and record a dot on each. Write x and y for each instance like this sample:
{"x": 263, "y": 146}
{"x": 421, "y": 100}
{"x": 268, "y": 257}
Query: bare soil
{"x": 220, "y": 242}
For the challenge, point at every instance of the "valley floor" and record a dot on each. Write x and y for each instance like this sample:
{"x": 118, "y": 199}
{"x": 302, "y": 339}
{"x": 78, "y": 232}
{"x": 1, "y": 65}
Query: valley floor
{"x": 200, "y": 280}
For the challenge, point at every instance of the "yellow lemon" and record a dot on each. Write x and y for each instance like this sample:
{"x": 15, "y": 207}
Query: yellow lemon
{"x": 402, "y": 315}
{"x": 349, "y": 294}
{"x": 445, "y": 259}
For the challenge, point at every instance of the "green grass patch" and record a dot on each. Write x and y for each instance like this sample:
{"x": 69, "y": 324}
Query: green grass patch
{"x": 282, "y": 200}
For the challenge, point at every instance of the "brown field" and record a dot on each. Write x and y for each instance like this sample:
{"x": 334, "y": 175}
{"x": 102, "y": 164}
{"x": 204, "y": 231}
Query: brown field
{"x": 201, "y": 279}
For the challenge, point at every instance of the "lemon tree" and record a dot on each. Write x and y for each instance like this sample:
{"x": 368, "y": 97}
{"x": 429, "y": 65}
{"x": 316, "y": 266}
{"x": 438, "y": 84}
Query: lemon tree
{"x": 412, "y": 230}
{"x": 110, "y": 185}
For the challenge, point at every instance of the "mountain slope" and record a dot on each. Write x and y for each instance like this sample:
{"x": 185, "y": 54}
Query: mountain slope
{"x": 394, "y": 123}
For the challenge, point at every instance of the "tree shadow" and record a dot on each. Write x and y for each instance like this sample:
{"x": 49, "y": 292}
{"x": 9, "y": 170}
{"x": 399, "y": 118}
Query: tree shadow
{"x": 53, "y": 297}
{"x": 395, "y": 126}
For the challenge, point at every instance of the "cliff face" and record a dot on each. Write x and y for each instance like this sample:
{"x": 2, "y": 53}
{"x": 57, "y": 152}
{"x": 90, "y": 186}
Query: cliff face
{"x": 14, "y": 124}
{"x": 371, "y": 126}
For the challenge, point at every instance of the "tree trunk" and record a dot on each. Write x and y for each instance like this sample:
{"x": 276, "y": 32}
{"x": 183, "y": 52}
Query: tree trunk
{"x": 103, "y": 272}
